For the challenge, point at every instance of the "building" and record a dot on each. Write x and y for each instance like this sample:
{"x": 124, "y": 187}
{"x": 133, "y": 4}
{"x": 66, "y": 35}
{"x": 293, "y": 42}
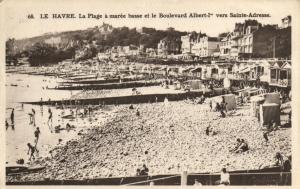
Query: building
{"x": 150, "y": 52}
{"x": 225, "y": 47}
{"x": 286, "y": 22}
{"x": 168, "y": 46}
{"x": 236, "y": 43}
{"x": 279, "y": 46}
{"x": 256, "y": 42}
{"x": 207, "y": 46}
{"x": 105, "y": 28}
{"x": 131, "y": 50}
{"x": 187, "y": 42}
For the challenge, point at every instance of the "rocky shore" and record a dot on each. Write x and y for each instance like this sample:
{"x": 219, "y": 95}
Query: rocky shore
{"x": 158, "y": 138}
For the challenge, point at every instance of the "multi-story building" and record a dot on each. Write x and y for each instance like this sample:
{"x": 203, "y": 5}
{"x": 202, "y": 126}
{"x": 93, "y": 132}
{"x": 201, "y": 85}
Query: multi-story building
{"x": 208, "y": 45}
{"x": 168, "y": 46}
{"x": 188, "y": 41}
{"x": 235, "y": 43}
{"x": 256, "y": 42}
{"x": 225, "y": 47}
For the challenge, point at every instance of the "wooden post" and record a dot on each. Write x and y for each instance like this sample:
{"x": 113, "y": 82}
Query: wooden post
{"x": 184, "y": 178}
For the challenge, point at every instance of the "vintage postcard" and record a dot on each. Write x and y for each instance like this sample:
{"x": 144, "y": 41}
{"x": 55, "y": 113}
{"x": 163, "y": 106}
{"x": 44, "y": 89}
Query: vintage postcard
{"x": 149, "y": 93}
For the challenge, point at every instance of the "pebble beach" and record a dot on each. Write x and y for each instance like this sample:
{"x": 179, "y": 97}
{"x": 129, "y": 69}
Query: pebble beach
{"x": 158, "y": 138}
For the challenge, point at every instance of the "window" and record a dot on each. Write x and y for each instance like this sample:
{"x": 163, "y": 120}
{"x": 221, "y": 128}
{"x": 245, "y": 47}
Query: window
{"x": 273, "y": 73}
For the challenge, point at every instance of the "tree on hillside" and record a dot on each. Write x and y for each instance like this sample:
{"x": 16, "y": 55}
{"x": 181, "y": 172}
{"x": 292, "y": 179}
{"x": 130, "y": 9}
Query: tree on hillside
{"x": 224, "y": 34}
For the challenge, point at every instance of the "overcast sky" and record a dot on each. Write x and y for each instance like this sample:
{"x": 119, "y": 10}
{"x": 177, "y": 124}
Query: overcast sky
{"x": 19, "y": 26}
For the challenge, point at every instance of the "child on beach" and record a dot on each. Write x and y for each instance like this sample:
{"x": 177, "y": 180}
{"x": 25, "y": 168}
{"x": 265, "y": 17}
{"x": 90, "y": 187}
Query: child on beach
{"x": 31, "y": 149}
{"x": 37, "y": 133}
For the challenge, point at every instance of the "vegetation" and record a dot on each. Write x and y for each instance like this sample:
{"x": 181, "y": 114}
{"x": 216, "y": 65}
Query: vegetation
{"x": 42, "y": 53}
{"x": 75, "y": 42}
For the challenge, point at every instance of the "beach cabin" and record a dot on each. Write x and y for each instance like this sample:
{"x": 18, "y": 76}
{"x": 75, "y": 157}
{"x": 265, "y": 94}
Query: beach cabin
{"x": 187, "y": 72}
{"x": 233, "y": 73}
{"x": 274, "y": 73}
{"x": 255, "y": 103}
{"x": 269, "y": 112}
{"x": 272, "y": 98}
{"x": 244, "y": 71}
{"x": 285, "y": 73}
{"x": 230, "y": 100}
{"x": 215, "y": 72}
{"x": 261, "y": 70}
{"x": 196, "y": 72}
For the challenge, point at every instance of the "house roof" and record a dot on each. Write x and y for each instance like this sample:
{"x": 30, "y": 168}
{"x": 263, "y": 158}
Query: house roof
{"x": 286, "y": 65}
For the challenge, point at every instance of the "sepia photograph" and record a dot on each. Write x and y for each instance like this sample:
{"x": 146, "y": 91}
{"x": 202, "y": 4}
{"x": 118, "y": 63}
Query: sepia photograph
{"x": 136, "y": 93}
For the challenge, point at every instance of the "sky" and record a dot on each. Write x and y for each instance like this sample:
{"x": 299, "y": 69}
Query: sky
{"x": 18, "y": 26}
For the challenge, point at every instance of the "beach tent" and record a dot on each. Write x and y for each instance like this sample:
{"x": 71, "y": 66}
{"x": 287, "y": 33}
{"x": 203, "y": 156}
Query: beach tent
{"x": 268, "y": 112}
{"x": 272, "y": 98}
{"x": 230, "y": 100}
{"x": 255, "y": 103}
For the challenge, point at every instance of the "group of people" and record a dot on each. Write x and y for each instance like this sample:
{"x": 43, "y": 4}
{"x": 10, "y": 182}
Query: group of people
{"x": 143, "y": 171}
{"x": 285, "y": 165}
{"x": 222, "y": 108}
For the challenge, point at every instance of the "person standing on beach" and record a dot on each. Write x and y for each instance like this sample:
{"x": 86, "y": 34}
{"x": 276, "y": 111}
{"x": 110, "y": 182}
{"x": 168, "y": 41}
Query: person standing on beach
{"x": 37, "y": 133}
{"x": 6, "y": 124}
{"x": 12, "y": 116}
{"x": 33, "y": 116}
{"x": 50, "y": 116}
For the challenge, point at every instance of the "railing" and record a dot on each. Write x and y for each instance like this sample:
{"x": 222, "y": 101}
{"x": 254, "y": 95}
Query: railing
{"x": 284, "y": 82}
{"x": 236, "y": 179}
{"x": 281, "y": 82}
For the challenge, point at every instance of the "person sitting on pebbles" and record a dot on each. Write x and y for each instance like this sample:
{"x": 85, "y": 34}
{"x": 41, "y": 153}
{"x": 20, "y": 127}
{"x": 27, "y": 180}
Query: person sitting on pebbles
{"x": 278, "y": 159}
{"x": 138, "y": 172}
{"x": 144, "y": 170}
{"x": 131, "y": 107}
{"x": 209, "y": 131}
{"x": 243, "y": 147}
{"x": 237, "y": 145}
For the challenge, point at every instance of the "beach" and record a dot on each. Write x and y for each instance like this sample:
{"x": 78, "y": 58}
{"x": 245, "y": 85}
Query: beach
{"x": 167, "y": 137}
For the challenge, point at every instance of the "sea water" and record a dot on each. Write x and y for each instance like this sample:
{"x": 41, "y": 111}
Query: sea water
{"x": 25, "y": 88}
